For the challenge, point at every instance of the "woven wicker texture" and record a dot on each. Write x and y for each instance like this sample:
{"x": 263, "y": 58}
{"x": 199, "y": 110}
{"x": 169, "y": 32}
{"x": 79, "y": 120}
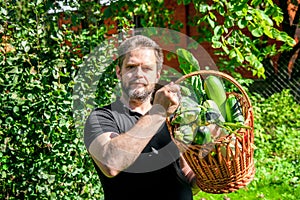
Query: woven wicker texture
{"x": 223, "y": 172}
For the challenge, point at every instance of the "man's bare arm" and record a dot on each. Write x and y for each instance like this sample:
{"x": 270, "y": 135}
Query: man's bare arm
{"x": 113, "y": 155}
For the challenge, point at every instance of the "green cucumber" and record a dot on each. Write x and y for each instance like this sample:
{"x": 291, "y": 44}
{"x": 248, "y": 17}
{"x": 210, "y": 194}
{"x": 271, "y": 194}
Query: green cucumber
{"x": 215, "y": 91}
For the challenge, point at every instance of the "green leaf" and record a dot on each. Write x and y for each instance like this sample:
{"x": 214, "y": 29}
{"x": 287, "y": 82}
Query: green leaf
{"x": 27, "y": 48}
{"x": 225, "y": 49}
{"x": 216, "y": 44}
{"x": 3, "y": 11}
{"x": 268, "y": 31}
{"x": 229, "y": 22}
{"x": 270, "y": 2}
{"x": 240, "y": 57}
{"x": 218, "y": 30}
{"x": 221, "y": 10}
{"x": 283, "y": 36}
{"x": 187, "y": 62}
{"x": 211, "y": 22}
{"x": 249, "y": 18}
{"x": 258, "y": 32}
{"x": 242, "y": 23}
{"x": 16, "y": 109}
{"x": 255, "y": 3}
{"x": 232, "y": 54}
{"x": 203, "y": 8}
{"x": 264, "y": 17}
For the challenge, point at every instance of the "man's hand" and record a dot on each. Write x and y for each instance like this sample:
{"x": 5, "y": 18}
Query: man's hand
{"x": 168, "y": 97}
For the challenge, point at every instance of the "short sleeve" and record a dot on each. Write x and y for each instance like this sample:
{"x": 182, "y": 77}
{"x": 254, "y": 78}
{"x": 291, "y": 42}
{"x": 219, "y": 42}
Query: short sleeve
{"x": 99, "y": 121}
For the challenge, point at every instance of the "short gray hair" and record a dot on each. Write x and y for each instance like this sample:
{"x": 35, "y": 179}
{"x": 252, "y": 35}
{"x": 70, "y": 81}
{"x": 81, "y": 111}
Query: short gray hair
{"x": 140, "y": 41}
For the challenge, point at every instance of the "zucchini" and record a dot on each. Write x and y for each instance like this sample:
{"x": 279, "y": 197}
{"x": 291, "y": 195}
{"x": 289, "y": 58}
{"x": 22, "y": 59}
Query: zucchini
{"x": 215, "y": 91}
{"x": 203, "y": 135}
{"x": 234, "y": 110}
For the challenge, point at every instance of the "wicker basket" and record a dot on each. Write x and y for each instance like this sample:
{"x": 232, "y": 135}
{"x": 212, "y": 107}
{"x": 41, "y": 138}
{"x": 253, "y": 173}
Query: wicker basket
{"x": 222, "y": 173}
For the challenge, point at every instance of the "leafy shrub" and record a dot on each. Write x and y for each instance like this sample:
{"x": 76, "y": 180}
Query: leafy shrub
{"x": 277, "y": 129}
{"x": 42, "y": 155}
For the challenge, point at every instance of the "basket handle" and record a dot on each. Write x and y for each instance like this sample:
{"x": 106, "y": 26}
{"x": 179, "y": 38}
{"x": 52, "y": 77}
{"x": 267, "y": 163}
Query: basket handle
{"x": 220, "y": 74}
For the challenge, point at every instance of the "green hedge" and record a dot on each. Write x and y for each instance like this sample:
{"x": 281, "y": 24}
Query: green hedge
{"x": 42, "y": 155}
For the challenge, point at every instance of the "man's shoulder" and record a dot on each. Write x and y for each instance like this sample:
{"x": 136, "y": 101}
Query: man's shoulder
{"x": 115, "y": 106}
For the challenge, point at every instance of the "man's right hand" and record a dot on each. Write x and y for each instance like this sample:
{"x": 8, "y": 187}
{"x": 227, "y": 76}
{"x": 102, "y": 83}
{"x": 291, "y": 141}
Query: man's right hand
{"x": 168, "y": 97}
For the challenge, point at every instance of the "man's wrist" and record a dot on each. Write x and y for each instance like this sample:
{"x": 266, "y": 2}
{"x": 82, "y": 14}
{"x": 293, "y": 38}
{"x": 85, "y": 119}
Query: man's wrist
{"x": 158, "y": 109}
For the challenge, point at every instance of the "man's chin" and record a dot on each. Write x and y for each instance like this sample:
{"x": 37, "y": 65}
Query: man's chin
{"x": 141, "y": 95}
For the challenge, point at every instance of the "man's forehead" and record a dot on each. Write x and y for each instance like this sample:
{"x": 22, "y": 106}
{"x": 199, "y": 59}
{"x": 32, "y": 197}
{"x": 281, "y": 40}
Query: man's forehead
{"x": 140, "y": 50}
{"x": 145, "y": 54}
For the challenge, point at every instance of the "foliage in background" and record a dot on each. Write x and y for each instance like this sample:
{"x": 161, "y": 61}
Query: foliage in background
{"x": 277, "y": 154}
{"x": 240, "y": 31}
{"x": 41, "y": 155}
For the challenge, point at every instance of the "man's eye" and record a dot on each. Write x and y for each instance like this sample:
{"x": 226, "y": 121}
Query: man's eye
{"x": 130, "y": 66}
{"x": 147, "y": 68}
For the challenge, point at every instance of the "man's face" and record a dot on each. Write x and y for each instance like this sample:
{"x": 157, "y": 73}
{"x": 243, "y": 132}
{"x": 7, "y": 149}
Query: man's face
{"x": 139, "y": 74}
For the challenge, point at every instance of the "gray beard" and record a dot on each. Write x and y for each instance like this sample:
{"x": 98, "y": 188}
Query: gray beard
{"x": 137, "y": 95}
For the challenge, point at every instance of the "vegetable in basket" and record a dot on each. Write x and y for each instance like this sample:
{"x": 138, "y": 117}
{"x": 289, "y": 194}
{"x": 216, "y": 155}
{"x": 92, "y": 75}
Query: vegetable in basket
{"x": 213, "y": 113}
{"x": 234, "y": 110}
{"x": 218, "y": 129}
{"x": 215, "y": 91}
{"x": 203, "y": 135}
{"x": 186, "y": 115}
{"x": 185, "y": 133}
{"x": 187, "y": 112}
{"x": 204, "y": 104}
{"x": 188, "y": 63}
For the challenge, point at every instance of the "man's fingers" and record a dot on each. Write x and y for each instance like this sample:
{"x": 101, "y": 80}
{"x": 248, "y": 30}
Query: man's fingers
{"x": 172, "y": 87}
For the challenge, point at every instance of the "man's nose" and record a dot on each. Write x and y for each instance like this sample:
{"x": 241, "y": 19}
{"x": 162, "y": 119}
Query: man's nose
{"x": 139, "y": 71}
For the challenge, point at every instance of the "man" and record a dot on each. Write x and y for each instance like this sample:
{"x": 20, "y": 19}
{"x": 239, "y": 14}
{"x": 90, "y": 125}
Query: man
{"x": 128, "y": 140}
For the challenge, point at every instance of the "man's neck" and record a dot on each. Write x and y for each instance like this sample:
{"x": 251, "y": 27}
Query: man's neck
{"x": 137, "y": 105}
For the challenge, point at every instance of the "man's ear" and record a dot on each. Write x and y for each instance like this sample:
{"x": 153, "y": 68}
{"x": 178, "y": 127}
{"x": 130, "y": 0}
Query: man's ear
{"x": 158, "y": 76}
{"x": 118, "y": 72}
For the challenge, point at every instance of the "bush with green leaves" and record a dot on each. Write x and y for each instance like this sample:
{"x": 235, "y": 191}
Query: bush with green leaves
{"x": 243, "y": 33}
{"x": 42, "y": 155}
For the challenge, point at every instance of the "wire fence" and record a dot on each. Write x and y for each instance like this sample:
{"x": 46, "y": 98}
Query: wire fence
{"x": 276, "y": 82}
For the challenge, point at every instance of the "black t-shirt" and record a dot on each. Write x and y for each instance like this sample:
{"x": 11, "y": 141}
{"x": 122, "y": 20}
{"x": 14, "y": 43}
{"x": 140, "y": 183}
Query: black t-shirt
{"x": 155, "y": 175}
